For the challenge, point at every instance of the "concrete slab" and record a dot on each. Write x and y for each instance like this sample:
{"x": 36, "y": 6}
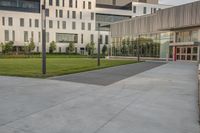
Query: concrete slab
{"x": 161, "y": 100}
{"x": 109, "y": 75}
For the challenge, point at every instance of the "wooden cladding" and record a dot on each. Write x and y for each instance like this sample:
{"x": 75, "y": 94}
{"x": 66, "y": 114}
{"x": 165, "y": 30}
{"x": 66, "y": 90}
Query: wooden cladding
{"x": 182, "y": 16}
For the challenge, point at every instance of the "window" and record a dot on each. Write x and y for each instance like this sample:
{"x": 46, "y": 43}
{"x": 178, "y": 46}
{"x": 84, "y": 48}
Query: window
{"x": 10, "y": 21}
{"x": 36, "y": 23}
{"x": 47, "y": 12}
{"x": 92, "y": 38}
{"x": 32, "y": 35}
{"x": 114, "y": 2}
{"x": 50, "y": 24}
{"x": 25, "y": 36}
{"x": 81, "y": 38}
{"x": 89, "y": 5}
{"x": 3, "y": 20}
{"x": 83, "y": 4}
{"x": 101, "y": 39}
{"x": 83, "y": 26}
{"x": 134, "y": 9}
{"x": 74, "y": 14}
{"x": 30, "y": 22}
{"x": 76, "y": 4}
{"x": 154, "y": 10}
{"x": 50, "y": 2}
{"x": 92, "y": 16}
{"x": 81, "y": 15}
{"x": 89, "y": 26}
{"x": 64, "y": 24}
{"x": 58, "y": 24}
{"x": 13, "y": 35}
{"x": 60, "y": 13}
{"x": 70, "y": 3}
{"x": 106, "y": 39}
{"x": 66, "y": 38}
{"x": 6, "y": 32}
{"x": 73, "y": 25}
{"x": 47, "y": 36}
{"x": 56, "y": 13}
{"x": 21, "y": 22}
{"x": 63, "y": 3}
{"x": 57, "y": 2}
{"x": 68, "y": 14}
{"x": 145, "y": 10}
{"x": 39, "y": 37}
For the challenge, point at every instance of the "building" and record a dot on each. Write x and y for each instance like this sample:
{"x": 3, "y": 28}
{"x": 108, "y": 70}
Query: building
{"x": 169, "y": 33}
{"x": 66, "y": 21}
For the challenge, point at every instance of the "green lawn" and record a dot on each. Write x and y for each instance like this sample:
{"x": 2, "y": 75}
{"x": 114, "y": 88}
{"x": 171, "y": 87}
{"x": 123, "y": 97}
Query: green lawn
{"x": 31, "y": 67}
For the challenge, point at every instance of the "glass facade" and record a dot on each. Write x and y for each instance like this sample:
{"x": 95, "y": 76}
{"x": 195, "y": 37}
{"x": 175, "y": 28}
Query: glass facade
{"x": 20, "y": 5}
{"x": 66, "y": 38}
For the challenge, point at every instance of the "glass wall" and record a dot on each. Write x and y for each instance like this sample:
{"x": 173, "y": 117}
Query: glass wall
{"x": 66, "y": 38}
{"x": 187, "y": 36}
{"x": 148, "y": 45}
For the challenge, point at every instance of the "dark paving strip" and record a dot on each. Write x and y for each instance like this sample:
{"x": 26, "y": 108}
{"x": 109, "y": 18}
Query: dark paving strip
{"x": 109, "y": 75}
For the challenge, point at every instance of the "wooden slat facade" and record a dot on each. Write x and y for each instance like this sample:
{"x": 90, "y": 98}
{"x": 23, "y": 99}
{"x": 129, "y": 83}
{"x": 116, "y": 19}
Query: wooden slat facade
{"x": 177, "y": 17}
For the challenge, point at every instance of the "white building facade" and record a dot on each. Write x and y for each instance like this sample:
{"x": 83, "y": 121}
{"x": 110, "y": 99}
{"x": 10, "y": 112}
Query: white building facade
{"x": 66, "y": 21}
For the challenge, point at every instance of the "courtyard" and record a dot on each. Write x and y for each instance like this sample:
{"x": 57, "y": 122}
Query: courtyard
{"x": 162, "y": 99}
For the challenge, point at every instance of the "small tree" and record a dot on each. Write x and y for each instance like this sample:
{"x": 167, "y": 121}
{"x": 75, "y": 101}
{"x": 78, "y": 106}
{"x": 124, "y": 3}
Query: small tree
{"x": 52, "y": 47}
{"x": 31, "y": 46}
{"x": 2, "y": 48}
{"x": 90, "y": 48}
{"x": 8, "y": 47}
{"x": 71, "y": 47}
{"x": 104, "y": 49}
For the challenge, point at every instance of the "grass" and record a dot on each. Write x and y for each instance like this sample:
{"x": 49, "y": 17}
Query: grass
{"x": 31, "y": 67}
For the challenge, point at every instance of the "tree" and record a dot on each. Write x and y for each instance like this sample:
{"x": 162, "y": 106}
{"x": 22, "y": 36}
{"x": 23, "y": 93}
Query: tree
{"x": 8, "y": 47}
{"x": 104, "y": 49}
{"x": 71, "y": 47}
{"x": 90, "y": 48}
{"x": 31, "y": 46}
{"x": 52, "y": 47}
{"x": 2, "y": 47}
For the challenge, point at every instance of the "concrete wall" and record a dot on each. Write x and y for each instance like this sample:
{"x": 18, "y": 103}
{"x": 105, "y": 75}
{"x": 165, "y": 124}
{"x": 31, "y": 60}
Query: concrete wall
{"x": 187, "y": 15}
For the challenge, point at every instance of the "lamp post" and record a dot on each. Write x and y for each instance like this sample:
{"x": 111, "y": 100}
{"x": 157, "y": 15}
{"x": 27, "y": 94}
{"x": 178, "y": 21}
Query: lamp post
{"x": 138, "y": 49}
{"x": 43, "y": 25}
{"x": 98, "y": 56}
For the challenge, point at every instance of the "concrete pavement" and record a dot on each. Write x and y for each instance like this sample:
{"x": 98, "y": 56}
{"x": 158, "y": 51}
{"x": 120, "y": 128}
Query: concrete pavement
{"x": 160, "y": 100}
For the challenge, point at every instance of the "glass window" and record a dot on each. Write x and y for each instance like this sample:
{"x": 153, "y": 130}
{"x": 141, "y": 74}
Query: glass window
{"x": 6, "y": 32}
{"x": 63, "y": 3}
{"x": 36, "y": 23}
{"x": 81, "y": 15}
{"x": 114, "y": 2}
{"x": 58, "y": 24}
{"x": 73, "y": 25}
{"x": 92, "y": 16}
{"x": 92, "y": 38}
{"x": 50, "y": 24}
{"x": 64, "y": 24}
{"x": 144, "y": 10}
{"x": 21, "y": 22}
{"x": 195, "y": 50}
{"x": 83, "y": 26}
{"x": 10, "y": 21}
{"x": 30, "y": 22}
{"x": 83, "y": 4}
{"x": 50, "y": 2}
{"x": 81, "y": 38}
{"x": 47, "y": 12}
{"x": 89, "y": 5}
{"x": 89, "y": 26}
{"x": 60, "y": 13}
{"x": 56, "y": 13}
{"x": 194, "y": 36}
{"x": 39, "y": 37}
{"x": 74, "y": 14}
{"x": 13, "y": 35}
{"x": 57, "y": 2}
{"x": 25, "y": 36}
{"x": 3, "y": 20}
{"x": 106, "y": 39}
{"x": 134, "y": 9}
{"x": 76, "y": 4}
{"x": 47, "y": 36}
{"x": 66, "y": 38}
{"x": 70, "y": 3}
{"x": 101, "y": 39}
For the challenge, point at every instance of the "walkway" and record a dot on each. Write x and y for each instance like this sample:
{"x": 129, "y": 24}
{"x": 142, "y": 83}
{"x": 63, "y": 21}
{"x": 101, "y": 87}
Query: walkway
{"x": 160, "y": 100}
{"x": 109, "y": 75}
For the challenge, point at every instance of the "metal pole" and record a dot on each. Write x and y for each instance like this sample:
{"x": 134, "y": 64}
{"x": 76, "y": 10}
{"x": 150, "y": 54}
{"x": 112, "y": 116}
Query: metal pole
{"x": 98, "y": 57}
{"x": 43, "y": 15}
{"x": 138, "y": 49}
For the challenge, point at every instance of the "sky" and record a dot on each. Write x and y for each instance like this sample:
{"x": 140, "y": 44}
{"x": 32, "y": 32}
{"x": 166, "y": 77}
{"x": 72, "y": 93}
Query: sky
{"x": 175, "y": 2}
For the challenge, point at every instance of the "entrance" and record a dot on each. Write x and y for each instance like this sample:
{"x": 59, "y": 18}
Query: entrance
{"x": 188, "y": 53}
